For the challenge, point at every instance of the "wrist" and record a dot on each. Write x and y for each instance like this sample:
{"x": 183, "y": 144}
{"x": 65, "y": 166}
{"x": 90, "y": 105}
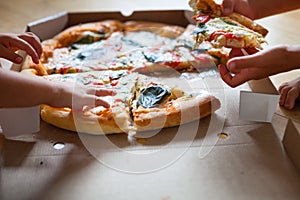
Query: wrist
{"x": 292, "y": 56}
{"x": 55, "y": 91}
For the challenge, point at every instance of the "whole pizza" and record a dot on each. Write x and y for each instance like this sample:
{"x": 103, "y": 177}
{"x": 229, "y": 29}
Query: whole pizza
{"x": 137, "y": 59}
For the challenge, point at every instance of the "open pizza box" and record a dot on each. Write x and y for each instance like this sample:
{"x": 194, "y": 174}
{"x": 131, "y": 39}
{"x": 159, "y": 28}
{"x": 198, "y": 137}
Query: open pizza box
{"x": 220, "y": 156}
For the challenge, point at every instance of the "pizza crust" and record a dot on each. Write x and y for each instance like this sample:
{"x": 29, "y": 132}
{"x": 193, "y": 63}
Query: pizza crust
{"x": 249, "y": 23}
{"x": 64, "y": 118}
{"x": 181, "y": 111}
{"x": 74, "y": 33}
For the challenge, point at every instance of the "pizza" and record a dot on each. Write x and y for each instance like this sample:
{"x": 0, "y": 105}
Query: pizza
{"x": 142, "y": 103}
{"x": 113, "y": 45}
{"x": 132, "y": 58}
{"x": 233, "y": 31}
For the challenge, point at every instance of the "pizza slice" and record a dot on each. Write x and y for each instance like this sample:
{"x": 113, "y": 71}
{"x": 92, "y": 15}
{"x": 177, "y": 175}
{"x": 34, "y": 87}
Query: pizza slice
{"x": 95, "y": 120}
{"x": 178, "y": 54}
{"x": 159, "y": 105}
{"x": 233, "y": 31}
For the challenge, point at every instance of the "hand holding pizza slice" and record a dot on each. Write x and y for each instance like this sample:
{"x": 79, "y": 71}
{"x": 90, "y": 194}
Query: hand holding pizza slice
{"x": 232, "y": 31}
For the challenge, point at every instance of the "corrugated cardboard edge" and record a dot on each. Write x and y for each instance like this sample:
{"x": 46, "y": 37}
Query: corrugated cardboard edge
{"x": 44, "y": 28}
{"x": 264, "y": 85}
{"x": 291, "y": 142}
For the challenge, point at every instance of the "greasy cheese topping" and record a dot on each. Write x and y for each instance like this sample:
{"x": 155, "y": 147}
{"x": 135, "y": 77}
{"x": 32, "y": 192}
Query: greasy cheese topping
{"x": 226, "y": 24}
{"x": 220, "y": 30}
{"x": 106, "y": 54}
{"x": 140, "y": 51}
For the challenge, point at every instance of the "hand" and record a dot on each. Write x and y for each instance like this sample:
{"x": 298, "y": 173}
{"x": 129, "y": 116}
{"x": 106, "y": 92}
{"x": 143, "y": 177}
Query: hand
{"x": 238, "y": 6}
{"x": 28, "y": 42}
{"x": 259, "y": 65}
{"x": 255, "y": 9}
{"x": 77, "y": 97}
{"x": 289, "y": 93}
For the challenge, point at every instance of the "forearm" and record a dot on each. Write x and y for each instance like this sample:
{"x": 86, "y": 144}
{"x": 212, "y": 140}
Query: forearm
{"x": 20, "y": 90}
{"x": 264, "y": 8}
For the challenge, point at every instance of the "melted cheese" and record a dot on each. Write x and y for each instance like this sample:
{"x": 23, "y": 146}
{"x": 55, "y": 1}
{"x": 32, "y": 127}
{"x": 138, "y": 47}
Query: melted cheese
{"x": 106, "y": 54}
{"x": 241, "y": 35}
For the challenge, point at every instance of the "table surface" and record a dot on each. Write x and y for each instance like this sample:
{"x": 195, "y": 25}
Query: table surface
{"x": 30, "y": 164}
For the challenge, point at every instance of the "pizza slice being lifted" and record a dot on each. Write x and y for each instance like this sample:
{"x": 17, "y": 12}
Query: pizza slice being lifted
{"x": 233, "y": 31}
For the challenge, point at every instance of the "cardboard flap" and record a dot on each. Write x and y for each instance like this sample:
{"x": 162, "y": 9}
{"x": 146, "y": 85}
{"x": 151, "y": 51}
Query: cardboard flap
{"x": 263, "y": 86}
{"x": 48, "y": 27}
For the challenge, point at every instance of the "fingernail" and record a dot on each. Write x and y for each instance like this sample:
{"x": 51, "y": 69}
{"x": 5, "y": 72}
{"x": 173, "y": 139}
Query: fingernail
{"x": 18, "y": 59}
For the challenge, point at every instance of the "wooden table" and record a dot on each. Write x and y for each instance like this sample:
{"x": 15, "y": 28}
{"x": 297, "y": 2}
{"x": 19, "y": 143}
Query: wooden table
{"x": 247, "y": 163}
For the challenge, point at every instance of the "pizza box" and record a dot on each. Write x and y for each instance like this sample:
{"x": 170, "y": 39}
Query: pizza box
{"x": 220, "y": 156}
{"x": 291, "y": 141}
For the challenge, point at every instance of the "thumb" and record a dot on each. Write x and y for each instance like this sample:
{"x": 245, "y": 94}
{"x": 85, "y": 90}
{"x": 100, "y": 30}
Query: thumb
{"x": 271, "y": 57}
{"x": 227, "y": 7}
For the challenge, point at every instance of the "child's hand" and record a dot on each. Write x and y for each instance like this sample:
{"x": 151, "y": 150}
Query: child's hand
{"x": 260, "y": 64}
{"x": 76, "y": 98}
{"x": 238, "y": 6}
{"x": 28, "y": 42}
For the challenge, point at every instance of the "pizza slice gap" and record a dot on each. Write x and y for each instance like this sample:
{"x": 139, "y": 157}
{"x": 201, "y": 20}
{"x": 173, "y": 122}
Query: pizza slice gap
{"x": 233, "y": 31}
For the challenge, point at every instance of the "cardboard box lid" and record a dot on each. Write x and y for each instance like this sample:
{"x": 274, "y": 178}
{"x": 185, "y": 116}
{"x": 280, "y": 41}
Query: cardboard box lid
{"x": 52, "y": 25}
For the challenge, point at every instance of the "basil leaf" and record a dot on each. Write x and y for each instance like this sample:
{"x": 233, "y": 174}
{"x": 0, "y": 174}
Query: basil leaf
{"x": 90, "y": 37}
{"x": 152, "y": 96}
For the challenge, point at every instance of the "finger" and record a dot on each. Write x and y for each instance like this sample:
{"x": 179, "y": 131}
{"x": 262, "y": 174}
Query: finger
{"x": 10, "y": 55}
{"x": 101, "y": 91}
{"x": 283, "y": 95}
{"x": 101, "y": 102}
{"x": 291, "y": 97}
{"x": 90, "y": 100}
{"x": 105, "y": 92}
{"x": 227, "y": 6}
{"x": 275, "y": 57}
{"x": 250, "y": 61}
{"x": 34, "y": 41}
{"x": 283, "y": 85}
{"x": 24, "y": 45}
{"x": 232, "y": 81}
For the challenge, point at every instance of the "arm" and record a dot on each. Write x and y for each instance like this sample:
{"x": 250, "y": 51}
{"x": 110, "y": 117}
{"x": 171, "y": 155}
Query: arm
{"x": 256, "y": 9}
{"x": 259, "y": 65}
{"x": 20, "y": 90}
